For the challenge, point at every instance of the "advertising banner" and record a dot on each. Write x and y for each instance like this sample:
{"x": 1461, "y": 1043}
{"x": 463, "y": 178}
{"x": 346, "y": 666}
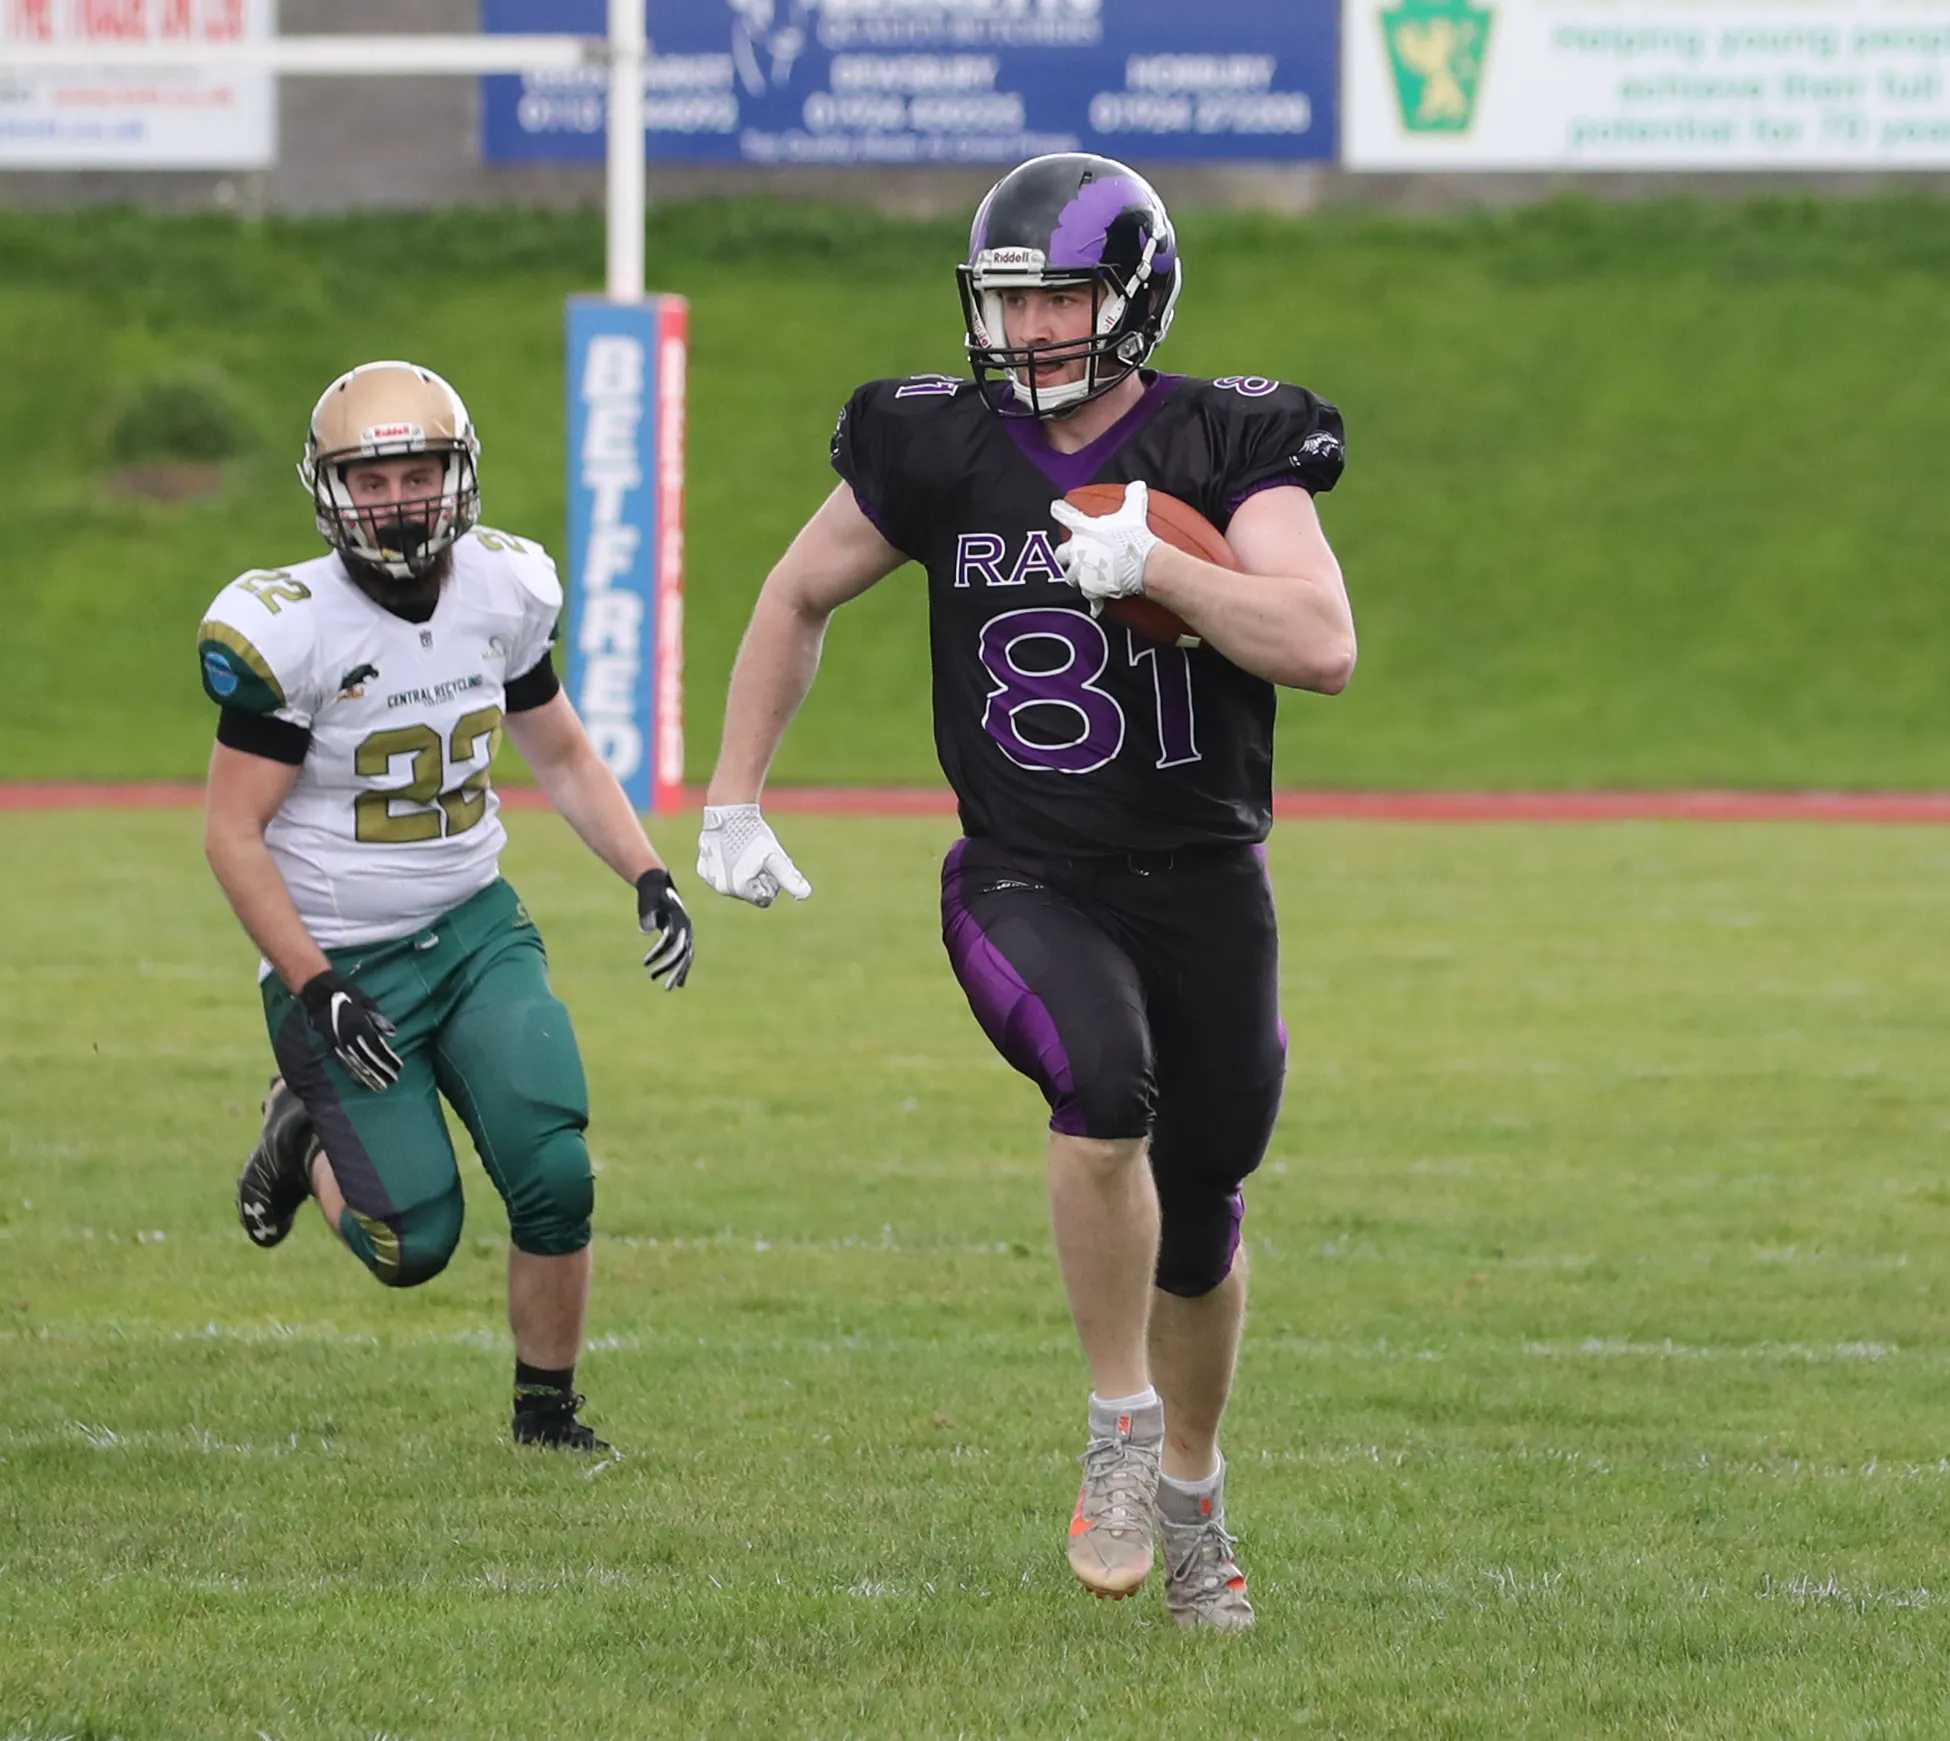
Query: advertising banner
{"x": 938, "y": 81}
{"x": 175, "y": 119}
{"x": 1646, "y": 84}
{"x": 626, "y": 367}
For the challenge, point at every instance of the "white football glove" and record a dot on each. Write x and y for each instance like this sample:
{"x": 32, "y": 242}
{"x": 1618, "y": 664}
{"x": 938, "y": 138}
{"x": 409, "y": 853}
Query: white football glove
{"x": 1104, "y": 556}
{"x": 739, "y": 855}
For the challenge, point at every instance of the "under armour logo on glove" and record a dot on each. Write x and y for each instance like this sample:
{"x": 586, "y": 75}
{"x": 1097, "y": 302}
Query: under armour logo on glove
{"x": 1105, "y": 554}
{"x": 348, "y": 1021}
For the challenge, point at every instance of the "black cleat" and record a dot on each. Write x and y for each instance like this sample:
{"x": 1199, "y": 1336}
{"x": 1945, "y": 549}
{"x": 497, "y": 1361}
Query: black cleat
{"x": 554, "y": 1425}
{"x": 277, "y": 1178}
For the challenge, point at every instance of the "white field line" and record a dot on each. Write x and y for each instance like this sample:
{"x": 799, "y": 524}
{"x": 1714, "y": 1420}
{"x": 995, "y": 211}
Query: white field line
{"x": 1546, "y": 1461}
{"x": 1382, "y": 1351}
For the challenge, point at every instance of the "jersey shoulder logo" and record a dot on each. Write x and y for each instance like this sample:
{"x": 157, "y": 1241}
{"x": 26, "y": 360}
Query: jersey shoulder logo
{"x": 353, "y": 684}
{"x": 1322, "y": 444}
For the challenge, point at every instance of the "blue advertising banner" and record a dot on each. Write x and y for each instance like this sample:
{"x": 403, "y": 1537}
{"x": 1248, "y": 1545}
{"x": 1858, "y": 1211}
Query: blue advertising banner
{"x": 626, "y": 369}
{"x": 886, "y": 82}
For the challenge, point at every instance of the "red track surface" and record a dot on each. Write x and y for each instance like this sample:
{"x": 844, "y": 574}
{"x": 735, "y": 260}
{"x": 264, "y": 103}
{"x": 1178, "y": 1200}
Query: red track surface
{"x": 1896, "y": 807}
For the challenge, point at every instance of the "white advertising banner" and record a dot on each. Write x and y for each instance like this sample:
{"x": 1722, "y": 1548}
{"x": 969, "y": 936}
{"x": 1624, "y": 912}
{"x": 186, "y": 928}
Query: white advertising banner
{"x": 1645, "y": 84}
{"x": 164, "y": 119}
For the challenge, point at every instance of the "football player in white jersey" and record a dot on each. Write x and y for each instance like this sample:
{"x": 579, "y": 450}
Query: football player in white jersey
{"x": 352, "y": 823}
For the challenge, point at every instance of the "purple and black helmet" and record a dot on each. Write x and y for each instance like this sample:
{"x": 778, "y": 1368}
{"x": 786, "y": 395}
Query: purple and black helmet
{"x": 1069, "y": 218}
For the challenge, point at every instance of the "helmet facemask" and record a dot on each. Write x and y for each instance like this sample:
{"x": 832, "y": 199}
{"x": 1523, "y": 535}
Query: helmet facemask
{"x": 403, "y": 539}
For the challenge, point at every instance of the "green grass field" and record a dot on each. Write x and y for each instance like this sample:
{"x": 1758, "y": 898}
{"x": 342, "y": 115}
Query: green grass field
{"x": 1639, "y": 495}
{"x": 1597, "y": 1382}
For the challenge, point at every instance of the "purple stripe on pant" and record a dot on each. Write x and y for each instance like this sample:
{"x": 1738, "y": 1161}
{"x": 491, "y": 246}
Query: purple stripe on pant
{"x": 1237, "y": 1204}
{"x": 1018, "y": 1023}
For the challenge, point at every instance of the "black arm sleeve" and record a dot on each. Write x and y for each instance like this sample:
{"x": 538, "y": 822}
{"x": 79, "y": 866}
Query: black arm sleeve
{"x": 535, "y": 686}
{"x": 263, "y": 734}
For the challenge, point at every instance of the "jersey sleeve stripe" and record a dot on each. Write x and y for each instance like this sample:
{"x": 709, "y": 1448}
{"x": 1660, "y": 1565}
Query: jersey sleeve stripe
{"x": 225, "y": 636}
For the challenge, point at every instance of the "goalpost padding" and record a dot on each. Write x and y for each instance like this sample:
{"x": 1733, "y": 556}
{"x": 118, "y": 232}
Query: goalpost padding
{"x": 625, "y": 585}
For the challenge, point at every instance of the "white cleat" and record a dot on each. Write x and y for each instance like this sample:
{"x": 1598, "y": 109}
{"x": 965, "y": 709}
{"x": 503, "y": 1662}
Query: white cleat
{"x": 1204, "y": 1586}
{"x": 1111, "y": 1529}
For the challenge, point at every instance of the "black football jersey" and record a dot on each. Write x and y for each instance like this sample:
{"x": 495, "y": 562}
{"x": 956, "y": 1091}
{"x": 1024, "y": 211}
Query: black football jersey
{"x": 1061, "y": 732}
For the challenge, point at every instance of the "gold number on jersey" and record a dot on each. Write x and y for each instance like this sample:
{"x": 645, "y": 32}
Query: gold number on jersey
{"x": 268, "y": 585}
{"x": 489, "y": 539}
{"x": 466, "y": 803}
{"x": 458, "y": 809}
{"x": 377, "y": 821}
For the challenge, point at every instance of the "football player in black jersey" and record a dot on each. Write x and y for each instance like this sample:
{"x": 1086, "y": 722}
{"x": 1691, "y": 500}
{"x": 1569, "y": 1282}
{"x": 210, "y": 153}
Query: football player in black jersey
{"x": 1107, "y": 913}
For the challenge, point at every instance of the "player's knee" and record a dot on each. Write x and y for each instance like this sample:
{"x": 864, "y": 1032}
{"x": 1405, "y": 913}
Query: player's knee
{"x": 550, "y": 1216}
{"x": 1198, "y": 1241}
{"x": 409, "y": 1246}
{"x": 1108, "y": 1093}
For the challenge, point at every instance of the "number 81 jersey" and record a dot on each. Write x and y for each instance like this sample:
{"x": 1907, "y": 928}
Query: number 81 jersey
{"x": 392, "y": 819}
{"x": 1060, "y": 732}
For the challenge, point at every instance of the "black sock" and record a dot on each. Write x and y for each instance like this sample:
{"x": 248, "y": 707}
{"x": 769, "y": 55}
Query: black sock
{"x": 536, "y": 1387}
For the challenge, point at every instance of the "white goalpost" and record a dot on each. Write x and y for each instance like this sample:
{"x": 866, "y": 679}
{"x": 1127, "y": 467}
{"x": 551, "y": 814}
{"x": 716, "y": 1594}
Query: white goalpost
{"x": 626, "y": 364}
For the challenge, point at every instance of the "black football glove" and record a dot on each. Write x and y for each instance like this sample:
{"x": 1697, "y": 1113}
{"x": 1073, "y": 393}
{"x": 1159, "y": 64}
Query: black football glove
{"x": 660, "y": 910}
{"x": 350, "y": 1023}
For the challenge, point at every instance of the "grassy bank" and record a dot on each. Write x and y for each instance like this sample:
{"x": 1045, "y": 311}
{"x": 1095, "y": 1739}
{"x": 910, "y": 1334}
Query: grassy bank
{"x": 1638, "y": 494}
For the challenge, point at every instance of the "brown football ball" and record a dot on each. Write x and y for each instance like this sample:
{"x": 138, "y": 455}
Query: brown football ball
{"x": 1181, "y": 526}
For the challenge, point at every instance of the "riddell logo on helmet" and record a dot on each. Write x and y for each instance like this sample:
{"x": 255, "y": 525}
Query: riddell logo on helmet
{"x": 1013, "y": 257}
{"x": 392, "y": 432}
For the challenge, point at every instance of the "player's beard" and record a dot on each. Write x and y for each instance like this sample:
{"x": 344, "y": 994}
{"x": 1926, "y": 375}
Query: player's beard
{"x": 412, "y": 599}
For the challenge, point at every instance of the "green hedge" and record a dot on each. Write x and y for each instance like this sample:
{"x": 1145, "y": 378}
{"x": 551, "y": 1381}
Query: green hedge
{"x": 1638, "y": 494}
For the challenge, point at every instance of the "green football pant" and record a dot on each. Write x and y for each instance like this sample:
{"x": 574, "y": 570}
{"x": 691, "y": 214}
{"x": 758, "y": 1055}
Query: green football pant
{"x": 476, "y": 1022}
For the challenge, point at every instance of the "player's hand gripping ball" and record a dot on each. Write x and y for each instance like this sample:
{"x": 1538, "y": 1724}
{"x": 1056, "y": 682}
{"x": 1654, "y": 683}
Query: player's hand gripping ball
{"x": 1168, "y": 521}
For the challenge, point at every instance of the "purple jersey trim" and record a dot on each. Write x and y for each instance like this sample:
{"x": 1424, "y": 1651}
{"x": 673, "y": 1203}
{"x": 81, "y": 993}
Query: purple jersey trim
{"x": 1233, "y": 502}
{"x": 1018, "y": 1023}
{"x": 1071, "y": 471}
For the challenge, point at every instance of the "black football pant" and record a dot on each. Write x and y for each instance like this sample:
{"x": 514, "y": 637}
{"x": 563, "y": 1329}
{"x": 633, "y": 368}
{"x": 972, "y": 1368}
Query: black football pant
{"x": 1141, "y": 994}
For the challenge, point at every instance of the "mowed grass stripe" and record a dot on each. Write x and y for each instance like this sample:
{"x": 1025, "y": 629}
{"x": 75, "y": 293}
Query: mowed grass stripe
{"x": 1595, "y": 1384}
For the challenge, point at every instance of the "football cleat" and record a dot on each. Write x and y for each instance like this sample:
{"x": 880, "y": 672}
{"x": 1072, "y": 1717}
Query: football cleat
{"x": 277, "y": 1178}
{"x": 1204, "y": 1586}
{"x": 553, "y": 1425}
{"x": 1111, "y": 1529}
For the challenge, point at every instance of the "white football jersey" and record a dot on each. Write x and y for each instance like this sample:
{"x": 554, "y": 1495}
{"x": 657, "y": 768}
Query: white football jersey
{"x": 393, "y": 820}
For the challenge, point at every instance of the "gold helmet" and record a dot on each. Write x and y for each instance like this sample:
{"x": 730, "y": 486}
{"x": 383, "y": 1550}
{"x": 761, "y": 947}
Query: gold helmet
{"x": 384, "y": 411}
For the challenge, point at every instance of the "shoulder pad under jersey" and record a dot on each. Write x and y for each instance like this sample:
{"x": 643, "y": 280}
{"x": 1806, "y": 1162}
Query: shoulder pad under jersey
{"x": 257, "y": 643}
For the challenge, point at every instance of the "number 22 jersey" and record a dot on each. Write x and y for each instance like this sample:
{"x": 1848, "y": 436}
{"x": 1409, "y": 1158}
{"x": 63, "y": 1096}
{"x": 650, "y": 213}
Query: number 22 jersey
{"x": 392, "y": 820}
{"x": 1059, "y": 732}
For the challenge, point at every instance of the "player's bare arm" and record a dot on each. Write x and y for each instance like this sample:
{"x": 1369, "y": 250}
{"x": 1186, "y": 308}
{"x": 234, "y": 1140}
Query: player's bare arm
{"x": 586, "y": 795}
{"x": 581, "y": 788}
{"x": 838, "y": 554}
{"x": 241, "y": 796}
{"x": 1284, "y": 613}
